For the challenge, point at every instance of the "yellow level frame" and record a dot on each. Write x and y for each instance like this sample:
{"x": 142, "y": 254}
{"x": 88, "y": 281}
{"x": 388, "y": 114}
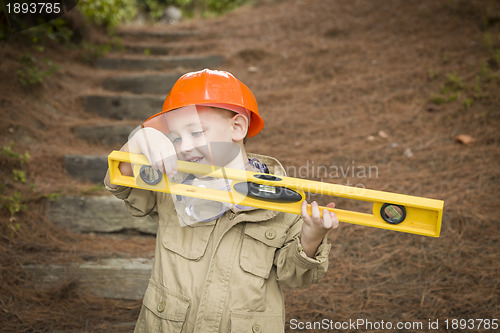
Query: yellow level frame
{"x": 423, "y": 215}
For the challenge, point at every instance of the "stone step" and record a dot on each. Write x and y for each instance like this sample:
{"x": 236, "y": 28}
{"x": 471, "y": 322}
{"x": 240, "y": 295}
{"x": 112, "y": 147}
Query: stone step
{"x": 116, "y": 278}
{"x": 108, "y": 135}
{"x": 159, "y": 36}
{"x": 147, "y": 49}
{"x": 162, "y": 50}
{"x": 160, "y": 63}
{"x": 124, "y": 107}
{"x": 86, "y": 168}
{"x": 98, "y": 214}
{"x": 158, "y": 84}
{"x": 127, "y": 327}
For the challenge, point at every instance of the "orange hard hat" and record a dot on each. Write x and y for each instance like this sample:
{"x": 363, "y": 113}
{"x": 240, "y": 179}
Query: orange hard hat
{"x": 214, "y": 88}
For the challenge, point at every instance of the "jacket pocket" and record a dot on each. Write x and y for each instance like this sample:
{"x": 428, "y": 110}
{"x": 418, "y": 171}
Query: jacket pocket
{"x": 188, "y": 242}
{"x": 164, "y": 310}
{"x": 257, "y": 322}
{"x": 259, "y": 244}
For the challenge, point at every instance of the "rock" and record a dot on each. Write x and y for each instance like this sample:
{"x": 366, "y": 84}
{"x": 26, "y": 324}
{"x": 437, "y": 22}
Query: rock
{"x": 86, "y": 168}
{"x": 108, "y": 135}
{"x": 160, "y": 36}
{"x": 160, "y": 63}
{"x": 148, "y": 50}
{"x": 408, "y": 153}
{"x": 115, "y": 278}
{"x": 172, "y": 15}
{"x": 123, "y": 107}
{"x": 142, "y": 84}
{"x": 101, "y": 214}
{"x": 383, "y": 134}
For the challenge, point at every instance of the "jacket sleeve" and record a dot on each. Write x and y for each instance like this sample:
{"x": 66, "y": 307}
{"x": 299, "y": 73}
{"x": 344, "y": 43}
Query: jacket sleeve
{"x": 139, "y": 202}
{"x": 294, "y": 267}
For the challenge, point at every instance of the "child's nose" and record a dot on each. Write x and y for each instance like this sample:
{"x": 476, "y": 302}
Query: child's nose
{"x": 186, "y": 145}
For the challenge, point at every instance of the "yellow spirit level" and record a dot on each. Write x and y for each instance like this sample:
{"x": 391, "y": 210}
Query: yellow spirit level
{"x": 391, "y": 211}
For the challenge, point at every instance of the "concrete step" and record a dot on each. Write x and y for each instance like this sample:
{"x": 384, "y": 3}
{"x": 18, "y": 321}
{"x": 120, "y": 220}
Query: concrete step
{"x": 86, "y": 168}
{"x": 116, "y": 278}
{"x": 124, "y": 107}
{"x": 98, "y": 214}
{"x": 142, "y": 84}
{"x": 108, "y": 135}
{"x": 160, "y": 63}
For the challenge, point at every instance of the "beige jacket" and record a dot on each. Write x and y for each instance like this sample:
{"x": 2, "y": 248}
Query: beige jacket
{"x": 224, "y": 275}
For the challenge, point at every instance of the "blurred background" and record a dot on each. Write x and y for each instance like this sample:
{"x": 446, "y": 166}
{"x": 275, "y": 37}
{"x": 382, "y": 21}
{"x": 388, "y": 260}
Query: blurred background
{"x": 391, "y": 95}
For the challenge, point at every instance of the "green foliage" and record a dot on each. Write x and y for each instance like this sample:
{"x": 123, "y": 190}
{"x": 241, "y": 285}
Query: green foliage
{"x": 8, "y": 152}
{"x": 486, "y": 79}
{"x": 11, "y": 198}
{"x": 108, "y": 13}
{"x": 450, "y": 91}
{"x": 455, "y": 89}
{"x": 92, "y": 52}
{"x": 32, "y": 73}
{"x": 53, "y": 196}
{"x": 453, "y": 84}
{"x": 487, "y": 42}
{"x": 14, "y": 203}
{"x": 57, "y": 30}
{"x": 19, "y": 175}
{"x": 156, "y": 8}
{"x": 93, "y": 189}
{"x": 432, "y": 74}
{"x": 440, "y": 99}
{"x": 467, "y": 103}
{"x": 221, "y": 6}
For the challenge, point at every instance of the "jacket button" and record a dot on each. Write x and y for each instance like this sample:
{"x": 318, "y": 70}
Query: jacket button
{"x": 270, "y": 234}
{"x": 256, "y": 329}
{"x": 161, "y": 306}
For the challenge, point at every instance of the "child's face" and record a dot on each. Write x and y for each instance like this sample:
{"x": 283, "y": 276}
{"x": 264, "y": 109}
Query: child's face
{"x": 200, "y": 134}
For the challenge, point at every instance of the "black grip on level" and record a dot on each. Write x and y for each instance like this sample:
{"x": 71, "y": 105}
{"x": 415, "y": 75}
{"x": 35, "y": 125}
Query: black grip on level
{"x": 278, "y": 194}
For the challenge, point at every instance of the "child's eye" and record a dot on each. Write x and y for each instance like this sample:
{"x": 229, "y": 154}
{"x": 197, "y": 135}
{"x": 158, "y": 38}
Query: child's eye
{"x": 176, "y": 141}
{"x": 197, "y": 133}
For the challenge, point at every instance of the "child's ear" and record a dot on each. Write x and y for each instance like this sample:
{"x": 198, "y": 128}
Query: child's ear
{"x": 240, "y": 127}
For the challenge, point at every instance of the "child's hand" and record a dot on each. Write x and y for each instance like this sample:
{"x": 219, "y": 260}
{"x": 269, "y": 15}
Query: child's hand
{"x": 315, "y": 227}
{"x": 157, "y": 148}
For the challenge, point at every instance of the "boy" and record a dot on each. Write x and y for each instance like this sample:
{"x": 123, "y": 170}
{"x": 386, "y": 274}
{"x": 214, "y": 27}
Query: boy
{"x": 218, "y": 270}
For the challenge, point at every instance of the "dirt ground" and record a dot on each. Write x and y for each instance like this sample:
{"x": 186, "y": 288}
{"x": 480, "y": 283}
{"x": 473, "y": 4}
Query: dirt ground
{"x": 349, "y": 94}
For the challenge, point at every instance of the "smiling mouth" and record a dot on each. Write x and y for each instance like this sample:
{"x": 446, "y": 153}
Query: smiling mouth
{"x": 194, "y": 159}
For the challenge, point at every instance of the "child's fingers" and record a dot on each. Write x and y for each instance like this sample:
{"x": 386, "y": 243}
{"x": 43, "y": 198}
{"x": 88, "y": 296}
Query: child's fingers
{"x": 316, "y": 216}
{"x": 170, "y": 165}
{"x": 327, "y": 219}
{"x": 335, "y": 220}
{"x": 305, "y": 214}
{"x": 331, "y": 205}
